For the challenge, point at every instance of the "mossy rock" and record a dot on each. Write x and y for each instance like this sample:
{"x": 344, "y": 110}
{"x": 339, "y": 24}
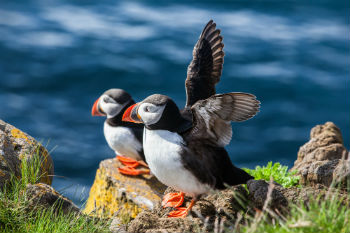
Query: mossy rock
{"x": 115, "y": 194}
{"x": 15, "y": 146}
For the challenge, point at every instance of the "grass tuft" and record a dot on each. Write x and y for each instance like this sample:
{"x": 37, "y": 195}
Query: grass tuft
{"x": 30, "y": 170}
{"x": 329, "y": 215}
{"x": 16, "y": 217}
{"x": 277, "y": 172}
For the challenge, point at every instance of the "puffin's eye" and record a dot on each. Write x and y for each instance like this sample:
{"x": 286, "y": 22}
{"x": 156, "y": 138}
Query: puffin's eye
{"x": 146, "y": 109}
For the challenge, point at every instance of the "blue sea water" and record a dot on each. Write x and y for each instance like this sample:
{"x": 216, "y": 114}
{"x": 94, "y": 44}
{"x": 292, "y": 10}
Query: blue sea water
{"x": 57, "y": 57}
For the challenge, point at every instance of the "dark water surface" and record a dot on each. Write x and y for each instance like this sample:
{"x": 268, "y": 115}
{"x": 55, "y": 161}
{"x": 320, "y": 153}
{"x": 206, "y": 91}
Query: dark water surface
{"x": 57, "y": 57}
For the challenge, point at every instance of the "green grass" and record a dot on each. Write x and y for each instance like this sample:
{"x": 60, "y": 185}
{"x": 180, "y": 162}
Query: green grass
{"x": 330, "y": 215}
{"x": 320, "y": 215}
{"x": 275, "y": 171}
{"x": 16, "y": 217}
{"x": 30, "y": 169}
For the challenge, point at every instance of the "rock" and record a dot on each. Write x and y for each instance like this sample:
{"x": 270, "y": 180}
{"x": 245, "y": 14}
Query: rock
{"x": 260, "y": 191}
{"x": 117, "y": 226}
{"x": 296, "y": 195}
{"x": 226, "y": 202}
{"x": 230, "y": 206}
{"x": 280, "y": 198}
{"x": 44, "y": 196}
{"x": 15, "y": 146}
{"x": 222, "y": 205}
{"x": 115, "y": 194}
{"x": 341, "y": 173}
{"x": 323, "y": 159}
{"x": 151, "y": 222}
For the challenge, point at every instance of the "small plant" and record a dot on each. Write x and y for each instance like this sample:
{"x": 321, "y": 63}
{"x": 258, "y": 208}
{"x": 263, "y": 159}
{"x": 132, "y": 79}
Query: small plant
{"x": 278, "y": 173}
{"x": 16, "y": 217}
{"x": 329, "y": 214}
{"x": 31, "y": 169}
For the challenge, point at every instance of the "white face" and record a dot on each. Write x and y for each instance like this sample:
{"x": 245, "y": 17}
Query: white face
{"x": 110, "y": 106}
{"x": 150, "y": 113}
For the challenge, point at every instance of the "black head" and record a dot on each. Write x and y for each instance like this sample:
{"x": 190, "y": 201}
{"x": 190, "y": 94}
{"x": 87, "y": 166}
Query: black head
{"x": 112, "y": 103}
{"x": 158, "y": 112}
{"x": 118, "y": 95}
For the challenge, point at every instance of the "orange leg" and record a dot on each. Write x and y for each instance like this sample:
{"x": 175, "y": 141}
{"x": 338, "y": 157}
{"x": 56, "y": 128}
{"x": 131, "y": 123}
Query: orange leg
{"x": 182, "y": 211}
{"x": 173, "y": 199}
{"x": 131, "y": 162}
{"x": 131, "y": 171}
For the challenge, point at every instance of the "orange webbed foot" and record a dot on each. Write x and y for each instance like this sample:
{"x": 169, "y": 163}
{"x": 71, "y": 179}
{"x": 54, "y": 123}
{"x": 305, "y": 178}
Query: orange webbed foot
{"x": 173, "y": 199}
{"x": 131, "y": 171}
{"x": 130, "y": 162}
{"x": 181, "y": 212}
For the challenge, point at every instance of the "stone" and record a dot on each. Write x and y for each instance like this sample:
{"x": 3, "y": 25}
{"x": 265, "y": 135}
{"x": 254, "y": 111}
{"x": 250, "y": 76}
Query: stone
{"x": 260, "y": 191}
{"x": 323, "y": 159}
{"x": 117, "y": 226}
{"x": 216, "y": 206}
{"x": 44, "y": 196}
{"x": 227, "y": 202}
{"x": 341, "y": 173}
{"x": 296, "y": 195}
{"x": 15, "y": 146}
{"x": 149, "y": 221}
{"x": 115, "y": 194}
{"x": 231, "y": 206}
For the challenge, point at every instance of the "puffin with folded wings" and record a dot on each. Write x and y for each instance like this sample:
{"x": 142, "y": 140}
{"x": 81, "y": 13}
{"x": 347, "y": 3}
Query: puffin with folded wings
{"x": 124, "y": 138}
{"x": 185, "y": 149}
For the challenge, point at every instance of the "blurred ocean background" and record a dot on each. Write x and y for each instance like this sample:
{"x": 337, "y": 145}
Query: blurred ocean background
{"x": 57, "y": 57}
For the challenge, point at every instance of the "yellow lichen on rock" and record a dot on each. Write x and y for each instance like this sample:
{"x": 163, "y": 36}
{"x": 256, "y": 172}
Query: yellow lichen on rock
{"x": 104, "y": 199}
{"x": 16, "y": 133}
{"x": 115, "y": 194}
{"x": 16, "y": 146}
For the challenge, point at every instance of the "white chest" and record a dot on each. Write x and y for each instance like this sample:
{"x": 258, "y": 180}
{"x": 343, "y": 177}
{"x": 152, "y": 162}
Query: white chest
{"x": 122, "y": 141}
{"x": 162, "y": 150}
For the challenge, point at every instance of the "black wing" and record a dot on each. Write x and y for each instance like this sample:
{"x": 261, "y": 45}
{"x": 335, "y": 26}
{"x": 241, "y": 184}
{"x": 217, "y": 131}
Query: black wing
{"x": 212, "y": 117}
{"x": 205, "y": 68}
{"x": 212, "y": 165}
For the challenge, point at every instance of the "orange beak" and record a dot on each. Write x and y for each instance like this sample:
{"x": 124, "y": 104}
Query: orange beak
{"x": 95, "y": 111}
{"x": 131, "y": 114}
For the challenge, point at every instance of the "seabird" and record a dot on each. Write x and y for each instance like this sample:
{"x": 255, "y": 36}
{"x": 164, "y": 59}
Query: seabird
{"x": 124, "y": 138}
{"x": 185, "y": 149}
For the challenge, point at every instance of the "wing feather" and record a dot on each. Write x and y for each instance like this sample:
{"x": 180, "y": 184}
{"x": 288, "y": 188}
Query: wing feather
{"x": 205, "y": 69}
{"x": 213, "y": 116}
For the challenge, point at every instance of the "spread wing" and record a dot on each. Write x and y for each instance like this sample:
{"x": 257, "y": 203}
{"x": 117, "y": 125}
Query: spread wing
{"x": 205, "y": 68}
{"x": 213, "y": 116}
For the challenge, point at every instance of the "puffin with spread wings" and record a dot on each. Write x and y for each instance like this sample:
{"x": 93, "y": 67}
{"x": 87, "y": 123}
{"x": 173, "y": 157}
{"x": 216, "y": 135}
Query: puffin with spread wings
{"x": 185, "y": 148}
